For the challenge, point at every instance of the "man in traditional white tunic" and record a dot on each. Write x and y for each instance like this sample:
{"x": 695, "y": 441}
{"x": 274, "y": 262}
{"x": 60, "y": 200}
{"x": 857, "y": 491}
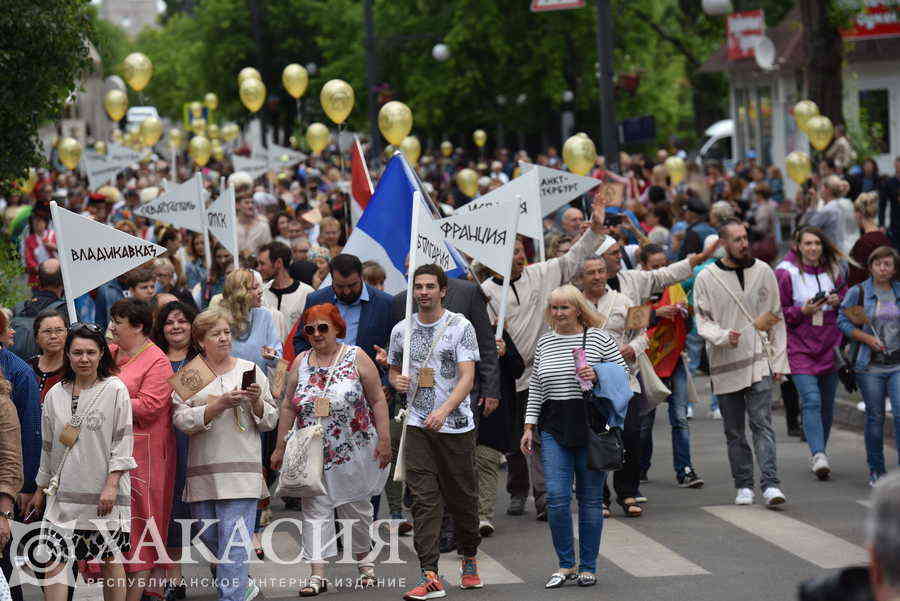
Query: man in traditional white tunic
{"x": 737, "y": 305}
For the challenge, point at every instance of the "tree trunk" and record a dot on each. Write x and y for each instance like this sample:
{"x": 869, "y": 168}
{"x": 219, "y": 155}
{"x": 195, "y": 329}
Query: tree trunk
{"x": 824, "y": 59}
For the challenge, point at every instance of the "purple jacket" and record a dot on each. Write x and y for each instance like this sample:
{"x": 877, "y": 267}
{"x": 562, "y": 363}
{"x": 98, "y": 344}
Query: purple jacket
{"x": 810, "y": 347}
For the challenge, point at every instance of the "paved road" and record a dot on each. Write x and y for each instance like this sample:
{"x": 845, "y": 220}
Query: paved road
{"x": 690, "y": 544}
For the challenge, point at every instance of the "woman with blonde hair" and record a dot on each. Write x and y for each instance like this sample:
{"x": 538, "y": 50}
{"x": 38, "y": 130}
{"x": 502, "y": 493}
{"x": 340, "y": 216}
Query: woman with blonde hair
{"x": 866, "y": 211}
{"x": 556, "y": 406}
{"x": 252, "y": 326}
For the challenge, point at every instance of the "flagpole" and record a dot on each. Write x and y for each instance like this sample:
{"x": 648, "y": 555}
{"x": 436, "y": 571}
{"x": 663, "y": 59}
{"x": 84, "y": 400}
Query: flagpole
{"x": 541, "y": 249}
{"x": 233, "y": 209}
{"x": 205, "y": 220}
{"x": 504, "y": 293}
{"x": 63, "y": 253}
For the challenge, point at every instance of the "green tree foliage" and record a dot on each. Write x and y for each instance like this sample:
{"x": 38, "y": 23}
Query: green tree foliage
{"x": 44, "y": 56}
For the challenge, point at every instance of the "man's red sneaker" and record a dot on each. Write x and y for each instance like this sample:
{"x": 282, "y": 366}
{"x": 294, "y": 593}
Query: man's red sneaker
{"x": 429, "y": 587}
{"x": 468, "y": 574}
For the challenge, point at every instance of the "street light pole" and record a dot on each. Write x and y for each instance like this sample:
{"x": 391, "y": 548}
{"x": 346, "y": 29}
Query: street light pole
{"x": 371, "y": 76}
{"x": 609, "y": 146}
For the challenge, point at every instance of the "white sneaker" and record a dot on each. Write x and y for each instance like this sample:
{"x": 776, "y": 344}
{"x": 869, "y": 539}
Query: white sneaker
{"x": 716, "y": 414}
{"x": 818, "y": 463}
{"x": 690, "y": 411}
{"x": 774, "y": 496}
{"x": 485, "y": 528}
{"x": 744, "y": 496}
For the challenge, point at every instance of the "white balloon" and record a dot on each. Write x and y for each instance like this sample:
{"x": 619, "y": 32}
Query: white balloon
{"x": 115, "y": 82}
{"x": 440, "y": 52}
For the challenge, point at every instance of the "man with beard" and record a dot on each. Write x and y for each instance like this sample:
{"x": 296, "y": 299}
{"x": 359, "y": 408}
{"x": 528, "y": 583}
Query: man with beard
{"x": 440, "y": 428}
{"x": 281, "y": 291}
{"x": 366, "y": 310}
{"x": 738, "y": 310}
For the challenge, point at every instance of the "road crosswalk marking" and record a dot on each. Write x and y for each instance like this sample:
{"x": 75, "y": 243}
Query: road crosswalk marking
{"x": 638, "y": 554}
{"x": 490, "y": 570}
{"x": 806, "y": 542}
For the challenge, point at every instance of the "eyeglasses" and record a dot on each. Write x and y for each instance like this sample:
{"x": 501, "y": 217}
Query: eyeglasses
{"x": 90, "y": 327}
{"x": 320, "y": 328}
{"x": 53, "y": 332}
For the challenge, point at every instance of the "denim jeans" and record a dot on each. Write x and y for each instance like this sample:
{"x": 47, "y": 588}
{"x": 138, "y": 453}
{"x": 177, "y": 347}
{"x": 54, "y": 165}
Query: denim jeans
{"x": 646, "y": 425}
{"x": 233, "y": 573}
{"x": 694, "y": 346}
{"x": 756, "y": 403}
{"x": 875, "y": 389}
{"x": 561, "y": 465}
{"x": 681, "y": 433}
{"x": 817, "y": 400}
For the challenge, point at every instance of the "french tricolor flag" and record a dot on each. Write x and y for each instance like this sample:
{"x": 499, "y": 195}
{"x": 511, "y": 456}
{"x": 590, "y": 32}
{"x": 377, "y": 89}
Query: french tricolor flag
{"x": 360, "y": 182}
{"x": 382, "y": 233}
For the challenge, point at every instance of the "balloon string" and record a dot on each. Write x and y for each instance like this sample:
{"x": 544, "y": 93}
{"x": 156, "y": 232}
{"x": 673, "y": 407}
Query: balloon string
{"x": 341, "y": 163}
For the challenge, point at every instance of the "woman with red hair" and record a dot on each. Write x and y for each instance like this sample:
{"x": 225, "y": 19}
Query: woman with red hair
{"x": 337, "y": 385}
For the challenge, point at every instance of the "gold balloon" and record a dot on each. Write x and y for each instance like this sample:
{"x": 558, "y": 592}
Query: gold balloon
{"x": 211, "y": 101}
{"x": 820, "y": 131}
{"x": 480, "y": 138}
{"x": 176, "y": 138}
{"x": 804, "y": 111}
{"x": 389, "y": 151}
{"x": 676, "y": 168}
{"x": 337, "y": 100}
{"x": 230, "y": 131}
{"x": 253, "y": 94}
{"x": 116, "y": 104}
{"x": 579, "y": 154}
{"x": 27, "y": 185}
{"x": 200, "y": 149}
{"x": 69, "y": 152}
{"x": 317, "y": 136}
{"x": 395, "y": 121}
{"x": 446, "y": 148}
{"x": 217, "y": 151}
{"x": 295, "y": 79}
{"x": 196, "y": 109}
{"x": 100, "y": 147}
{"x": 214, "y": 132}
{"x": 467, "y": 182}
{"x": 293, "y": 141}
{"x": 412, "y": 149}
{"x": 137, "y": 70}
{"x": 248, "y": 73}
{"x": 799, "y": 167}
{"x": 198, "y": 126}
{"x": 151, "y": 130}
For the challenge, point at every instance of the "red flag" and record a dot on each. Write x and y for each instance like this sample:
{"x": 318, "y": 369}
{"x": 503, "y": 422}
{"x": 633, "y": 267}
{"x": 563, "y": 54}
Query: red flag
{"x": 360, "y": 185}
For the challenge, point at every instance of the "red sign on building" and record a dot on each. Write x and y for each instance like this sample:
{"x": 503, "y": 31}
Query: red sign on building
{"x": 538, "y": 6}
{"x": 875, "y": 20}
{"x": 744, "y": 30}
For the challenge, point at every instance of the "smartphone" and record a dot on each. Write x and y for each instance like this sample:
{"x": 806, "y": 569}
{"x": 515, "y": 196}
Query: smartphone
{"x": 248, "y": 379}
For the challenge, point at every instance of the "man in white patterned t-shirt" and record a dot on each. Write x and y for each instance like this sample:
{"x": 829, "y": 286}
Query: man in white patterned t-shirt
{"x": 440, "y": 435}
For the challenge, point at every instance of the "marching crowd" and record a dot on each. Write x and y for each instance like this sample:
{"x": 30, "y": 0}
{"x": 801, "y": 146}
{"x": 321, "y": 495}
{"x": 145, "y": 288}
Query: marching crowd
{"x": 719, "y": 273}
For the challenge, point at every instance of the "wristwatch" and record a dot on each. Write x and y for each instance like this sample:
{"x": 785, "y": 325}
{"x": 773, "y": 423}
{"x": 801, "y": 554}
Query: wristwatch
{"x": 7, "y": 515}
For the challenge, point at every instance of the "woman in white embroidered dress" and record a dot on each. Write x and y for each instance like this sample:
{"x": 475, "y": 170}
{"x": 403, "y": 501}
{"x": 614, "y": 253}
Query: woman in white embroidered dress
{"x": 357, "y": 441}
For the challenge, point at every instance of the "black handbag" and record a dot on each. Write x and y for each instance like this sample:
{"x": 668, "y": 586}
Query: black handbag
{"x": 605, "y": 449}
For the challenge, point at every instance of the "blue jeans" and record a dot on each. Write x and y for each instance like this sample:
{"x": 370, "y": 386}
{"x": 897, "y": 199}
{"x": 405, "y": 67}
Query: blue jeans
{"x": 233, "y": 574}
{"x": 561, "y": 465}
{"x": 817, "y": 402}
{"x": 875, "y": 389}
{"x": 681, "y": 433}
{"x": 647, "y": 421}
{"x": 753, "y": 404}
{"x": 694, "y": 346}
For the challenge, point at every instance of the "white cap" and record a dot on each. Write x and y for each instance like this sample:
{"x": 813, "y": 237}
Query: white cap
{"x": 607, "y": 243}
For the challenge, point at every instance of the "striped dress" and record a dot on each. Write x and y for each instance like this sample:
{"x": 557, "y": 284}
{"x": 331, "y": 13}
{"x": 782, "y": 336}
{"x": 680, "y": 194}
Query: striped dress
{"x": 553, "y": 377}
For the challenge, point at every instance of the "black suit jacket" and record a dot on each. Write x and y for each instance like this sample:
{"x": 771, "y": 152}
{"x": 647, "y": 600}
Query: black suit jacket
{"x": 466, "y": 298}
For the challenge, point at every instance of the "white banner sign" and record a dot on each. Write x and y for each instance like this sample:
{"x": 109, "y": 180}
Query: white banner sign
{"x": 92, "y": 254}
{"x": 524, "y": 187}
{"x": 254, "y": 165}
{"x": 221, "y": 220}
{"x": 181, "y": 205}
{"x": 488, "y": 234}
{"x": 557, "y": 187}
{"x": 280, "y": 156}
{"x": 100, "y": 168}
{"x": 429, "y": 241}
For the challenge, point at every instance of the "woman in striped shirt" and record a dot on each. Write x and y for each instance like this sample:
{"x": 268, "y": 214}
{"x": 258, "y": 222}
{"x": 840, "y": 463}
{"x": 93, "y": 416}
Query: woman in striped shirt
{"x": 556, "y": 405}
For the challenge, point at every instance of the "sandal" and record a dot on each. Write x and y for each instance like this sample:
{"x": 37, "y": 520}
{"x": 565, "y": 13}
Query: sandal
{"x": 631, "y": 508}
{"x": 586, "y": 579}
{"x": 559, "y": 579}
{"x": 317, "y": 584}
{"x": 606, "y": 512}
{"x": 367, "y": 575}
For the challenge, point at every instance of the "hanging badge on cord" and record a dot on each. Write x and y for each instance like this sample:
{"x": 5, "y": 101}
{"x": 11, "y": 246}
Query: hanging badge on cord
{"x": 426, "y": 377}
{"x": 322, "y": 406}
{"x": 818, "y": 318}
